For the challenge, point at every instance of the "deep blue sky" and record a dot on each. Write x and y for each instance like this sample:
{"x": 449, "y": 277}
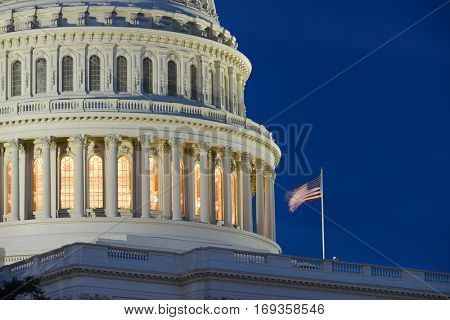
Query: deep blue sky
{"x": 381, "y": 130}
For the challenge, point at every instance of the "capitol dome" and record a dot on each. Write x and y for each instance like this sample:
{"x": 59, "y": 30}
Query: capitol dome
{"x": 124, "y": 122}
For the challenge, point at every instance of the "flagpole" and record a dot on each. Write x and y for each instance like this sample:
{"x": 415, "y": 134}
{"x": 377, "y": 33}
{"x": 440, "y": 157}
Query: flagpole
{"x": 323, "y": 214}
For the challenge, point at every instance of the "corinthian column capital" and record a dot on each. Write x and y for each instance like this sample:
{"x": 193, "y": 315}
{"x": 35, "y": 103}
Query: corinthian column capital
{"x": 46, "y": 141}
{"x": 111, "y": 140}
{"x": 176, "y": 143}
{"x": 204, "y": 147}
{"x": 14, "y": 143}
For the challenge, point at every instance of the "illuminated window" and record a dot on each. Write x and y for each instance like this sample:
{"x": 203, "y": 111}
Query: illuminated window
{"x": 181, "y": 186}
{"x": 197, "y": 190}
{"x": 67, "y": 74}
{"x": 122, "y": 74}
{"x": 154, "y": 185}
{"x": 148, "y": 75}
{"x": 124, "y": 183}
{"x": 193, "y": 82}
{"x": 94, "y": 73}
{"x": 41, "y": 75}
{"x": 16, "y": 79}
{"x": 37, "y": 185}
{"x": 219, "y": 194}
{"x": 95, "y": 182}
{"x": 8, "y": 186}
{"x": 173, "y": 81}
{"x": 234, "y": 199}
{"x": 67, "y": 188}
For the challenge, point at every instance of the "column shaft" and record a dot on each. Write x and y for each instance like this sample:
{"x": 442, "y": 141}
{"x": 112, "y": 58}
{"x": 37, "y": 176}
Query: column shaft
{"x": 227, "y": 195}
{"x": 111, "y": 166}
{"x": 145, "y": 177}
{"x": 46, "y": 178}
{"x": 79, "y": 176}
{"x": 267, "y": 206}
{"x": 259, "y": 198}
{"x": 273, "y": 235}
{"x": 15, "y": 205}
{"x": 176, "y": 201}
{"x": 167, "y": 187}
{"x": 204, "y": 201}
{"x": 247, "y": 193}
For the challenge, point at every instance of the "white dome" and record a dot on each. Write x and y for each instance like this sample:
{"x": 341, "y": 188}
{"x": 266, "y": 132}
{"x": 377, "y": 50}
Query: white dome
{"x": 201, "y": 8}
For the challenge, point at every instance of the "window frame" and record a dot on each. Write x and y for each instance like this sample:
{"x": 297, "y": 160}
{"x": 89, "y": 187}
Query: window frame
{"x": 89, "y": 184}
{"x": 62, "y": 81}
{"x": 172, "y": 88}
{"x": 90, "y": 75}
{"x": 118, "y": 83}
{"x": 19, "y": 80}
{"x": 37, "y": 79}
{"x": 150, "y": 87}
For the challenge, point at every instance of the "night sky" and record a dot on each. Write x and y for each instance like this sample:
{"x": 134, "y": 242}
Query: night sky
{"x": 381, "y": 129}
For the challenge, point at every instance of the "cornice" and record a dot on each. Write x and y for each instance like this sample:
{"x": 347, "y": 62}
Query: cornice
{"x": 123, "y": 36}
{"x": 240, "y": 277}
{"x": 242, "y": 133}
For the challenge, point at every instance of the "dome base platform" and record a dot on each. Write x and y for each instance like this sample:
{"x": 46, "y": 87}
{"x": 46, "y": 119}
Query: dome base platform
{"x": 23, "y": 239}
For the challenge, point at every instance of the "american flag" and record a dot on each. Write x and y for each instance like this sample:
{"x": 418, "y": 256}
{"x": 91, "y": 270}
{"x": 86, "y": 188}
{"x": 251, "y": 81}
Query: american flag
{"x": 312, "y": 191}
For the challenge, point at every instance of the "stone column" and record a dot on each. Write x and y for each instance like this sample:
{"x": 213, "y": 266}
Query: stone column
{"x": 267, "y": 204}
{"x": 145, "y": 176}
{"x": 273, "y": 235}
{"x": 247, "y": 193}
{"x": 212, "y": 185}
{"x": 111, "y": 142}
{"x": 14, "y": 146}
{"x": 176, "y": 201}
{"x": 46, "y": 178}
{"x": 227, "y": 195}
{"x": 53, "y": 180}
{"x": 239, "y": 204}
{"x": 78, "y": 150}
{"x": 259, "y": 197}
{"x": 204, "y": 201}
{"x": 2, "y": 179}
{"x": 167, "y": 187}
{"x": 189, "y": 175}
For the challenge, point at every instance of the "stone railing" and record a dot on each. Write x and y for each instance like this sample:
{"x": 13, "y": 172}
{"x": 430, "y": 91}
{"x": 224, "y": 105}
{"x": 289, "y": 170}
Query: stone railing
{"x": 237, "y": 262}
{"x": 128, "y": 254}
{"x": 8, "y": 111}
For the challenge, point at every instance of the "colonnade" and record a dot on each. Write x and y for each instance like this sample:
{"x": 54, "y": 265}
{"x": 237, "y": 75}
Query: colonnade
{"x": 201, "y": 196}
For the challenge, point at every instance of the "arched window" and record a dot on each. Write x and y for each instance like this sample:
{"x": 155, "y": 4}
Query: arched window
{"x": 197, "y": 189}
{"x": 219, "y": 194}
{"x": 193, "y": 82}
{"x": 94, "y": 73}
{"x": 181, "y": 185}
{"x": 211, "y": 87}
{"x": 154, "y": 185}
{"x": 67, "y": 74}
{"x": 122, "y": 74}
{"x": 95, "y": 182}
{"x": 41, "y": 75}
{"x": 147, "y": 75}
{"x": 234, "y": 199}
{"x": 124, "y": 183}
{"x": 172, "y": 79}
{"x": 37, "y": 185}
{"x": 8, "y": 187}
{"x": 16, "y": 79}
{"x": 67, "y": 183}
